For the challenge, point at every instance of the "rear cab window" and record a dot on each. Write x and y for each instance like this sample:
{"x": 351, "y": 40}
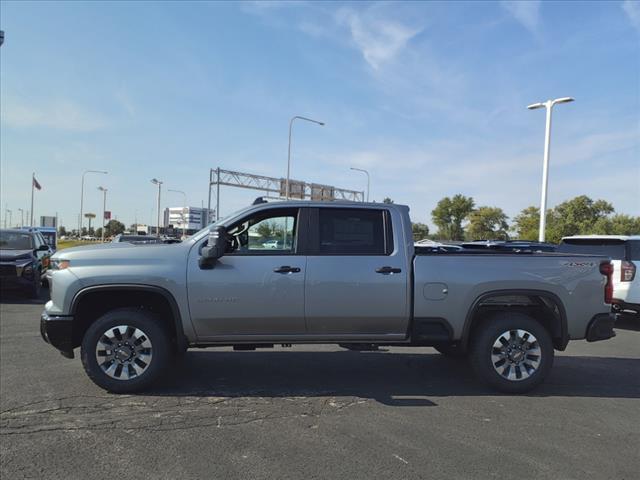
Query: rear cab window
{"x": 351, "y": 231}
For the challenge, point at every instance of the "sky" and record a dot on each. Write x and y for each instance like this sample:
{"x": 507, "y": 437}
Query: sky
{"x": 430, "y": 98}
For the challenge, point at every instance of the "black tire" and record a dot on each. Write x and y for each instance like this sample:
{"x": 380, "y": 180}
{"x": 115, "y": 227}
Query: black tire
{"x": 34, "y": 290}
{"x": 452, "y": 350}
{"x": 482, "y": 348}
{"x": 152, "y": 328}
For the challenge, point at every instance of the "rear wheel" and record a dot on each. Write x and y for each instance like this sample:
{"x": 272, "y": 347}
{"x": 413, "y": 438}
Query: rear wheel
{"x": 125, "y": 350}
{"x": 512, "y": 352}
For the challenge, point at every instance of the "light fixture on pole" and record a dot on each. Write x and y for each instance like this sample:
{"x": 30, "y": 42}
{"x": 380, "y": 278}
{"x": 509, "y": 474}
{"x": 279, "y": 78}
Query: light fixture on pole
{"x": 184, "y": 208}
{"x": 82, "y": 197}
{"x": 297, "y": 117}
{"x": 104, "y": 208}
{"x": 545, "y": 166}
{"x": 157, "y": 182}
{"x": 368, "y": 178}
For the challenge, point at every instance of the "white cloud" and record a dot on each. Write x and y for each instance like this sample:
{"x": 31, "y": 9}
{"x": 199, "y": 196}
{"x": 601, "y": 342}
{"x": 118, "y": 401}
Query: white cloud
{"x": 62, "y": 115}
{"x": 526, "y": 13}
{"x": 379, "y": 40}
{"x": 632, "y": 9}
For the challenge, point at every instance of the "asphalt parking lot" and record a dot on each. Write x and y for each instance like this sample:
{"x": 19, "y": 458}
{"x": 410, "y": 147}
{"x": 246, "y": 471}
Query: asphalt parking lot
{"x": 316, "y": 412}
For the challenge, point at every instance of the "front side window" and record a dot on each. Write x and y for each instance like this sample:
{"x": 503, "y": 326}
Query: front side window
{"x": 351, "y": 231}
{"x": 267, "y": 232}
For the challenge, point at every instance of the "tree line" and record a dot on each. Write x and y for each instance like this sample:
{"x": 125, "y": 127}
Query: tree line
{"x": 458, "y": 218}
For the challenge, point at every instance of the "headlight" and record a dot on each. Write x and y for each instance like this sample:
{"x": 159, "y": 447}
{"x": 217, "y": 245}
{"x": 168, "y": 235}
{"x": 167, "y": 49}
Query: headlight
{"x": 59, "y": 264}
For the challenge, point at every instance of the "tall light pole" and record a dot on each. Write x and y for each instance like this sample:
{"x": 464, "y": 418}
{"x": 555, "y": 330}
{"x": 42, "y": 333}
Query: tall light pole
{"x": 289, "y": 152}
{"x": 545, "y": 166}
{"x": 5, "y": 217}
{"x": 368, "y": 178}
{"x": 82, "y": 197}
{"x": 184, "y": 207}
{"x": 104, "y": 208}
{"x": 157, "y": 182}
{"x": 21, "y": 217}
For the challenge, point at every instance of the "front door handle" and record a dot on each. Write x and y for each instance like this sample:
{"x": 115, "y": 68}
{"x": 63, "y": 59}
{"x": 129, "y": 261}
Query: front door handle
{"x": 388, "y": 270}
{"x": 286, "y": 269}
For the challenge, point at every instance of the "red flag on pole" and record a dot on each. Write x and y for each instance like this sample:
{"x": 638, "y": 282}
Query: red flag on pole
{"x": 36, "y": 184}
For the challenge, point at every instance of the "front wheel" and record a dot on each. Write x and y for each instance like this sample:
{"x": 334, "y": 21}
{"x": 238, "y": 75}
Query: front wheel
{"x": 35, "y": 288}
{"x": 125, "y": 350}
{"x": 512, "y": 352}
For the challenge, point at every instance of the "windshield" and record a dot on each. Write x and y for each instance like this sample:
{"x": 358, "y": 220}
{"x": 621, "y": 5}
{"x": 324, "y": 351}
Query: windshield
{"x": 16, "y": 241}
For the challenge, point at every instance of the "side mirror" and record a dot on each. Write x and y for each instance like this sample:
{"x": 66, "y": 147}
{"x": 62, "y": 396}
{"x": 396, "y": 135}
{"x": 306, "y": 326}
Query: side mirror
{"x": 43, "y": 248}
{"x": 215, "y": 248}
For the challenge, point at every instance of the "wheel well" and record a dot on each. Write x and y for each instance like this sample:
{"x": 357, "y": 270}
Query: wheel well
{"x": 92, "y": 305}
{"x": 544, "y": 308}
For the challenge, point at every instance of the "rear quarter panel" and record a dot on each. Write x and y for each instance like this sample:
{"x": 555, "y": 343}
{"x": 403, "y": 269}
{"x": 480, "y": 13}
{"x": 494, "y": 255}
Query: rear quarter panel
{"x": 576, "y": 281}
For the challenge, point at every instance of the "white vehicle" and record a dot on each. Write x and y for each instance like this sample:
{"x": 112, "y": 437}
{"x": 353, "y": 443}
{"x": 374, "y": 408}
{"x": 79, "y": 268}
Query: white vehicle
{"x": 272, "y": 244}
{"x": 625, "y": 255}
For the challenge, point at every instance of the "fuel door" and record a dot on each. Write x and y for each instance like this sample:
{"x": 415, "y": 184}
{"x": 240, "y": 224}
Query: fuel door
{"x": 435, "y": 291}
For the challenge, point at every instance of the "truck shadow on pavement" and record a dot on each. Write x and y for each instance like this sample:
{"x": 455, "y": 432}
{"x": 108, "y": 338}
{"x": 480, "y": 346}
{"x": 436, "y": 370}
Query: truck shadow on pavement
{"x": 391, "y": 378}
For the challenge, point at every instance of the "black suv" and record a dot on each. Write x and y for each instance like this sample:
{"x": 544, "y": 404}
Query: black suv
{"x": 24, "y": 258}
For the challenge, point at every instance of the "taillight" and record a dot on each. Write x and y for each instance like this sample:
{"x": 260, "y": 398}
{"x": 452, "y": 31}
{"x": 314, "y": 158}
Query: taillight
{"x": 606, "y": 268}
{"x": 627, "y": 272}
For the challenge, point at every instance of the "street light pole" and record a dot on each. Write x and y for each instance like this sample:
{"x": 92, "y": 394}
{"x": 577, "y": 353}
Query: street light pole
{"x": 104, "y": 208}
{"x": 5, "y": 217}
{"x": 21, "y": 217}
{"x": 368, "y": 178}
{"x": 82, "y": 197}
{"x": 184, "y": 207}
{"x": 297, "y": 117}
{"x": 545, "y": 166}
{"x": 155, "y": 181}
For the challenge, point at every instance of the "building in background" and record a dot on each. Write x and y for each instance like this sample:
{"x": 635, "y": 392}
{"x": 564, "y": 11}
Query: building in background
{"x": 190, "y": 219}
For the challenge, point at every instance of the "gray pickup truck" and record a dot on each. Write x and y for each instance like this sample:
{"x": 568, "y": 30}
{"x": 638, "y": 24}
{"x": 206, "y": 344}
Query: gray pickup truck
{"x": 306, "y": 272}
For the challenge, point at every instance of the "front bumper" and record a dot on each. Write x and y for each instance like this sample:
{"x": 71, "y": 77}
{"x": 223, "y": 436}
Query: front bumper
{"x": 57, "y": 330}
{"x": 601, "y": 327}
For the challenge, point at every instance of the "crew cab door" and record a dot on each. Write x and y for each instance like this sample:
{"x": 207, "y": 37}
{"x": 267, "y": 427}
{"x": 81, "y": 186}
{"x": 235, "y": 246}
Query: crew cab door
{"x": 357, "y": 274}
{"x": 258, "y": 288}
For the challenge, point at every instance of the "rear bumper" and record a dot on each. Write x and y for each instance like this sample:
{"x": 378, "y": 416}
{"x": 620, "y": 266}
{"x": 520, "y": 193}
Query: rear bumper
{"x": 57, "y": 330}
{"x": 601, "y": 327}
{"x": 621, "y": 305}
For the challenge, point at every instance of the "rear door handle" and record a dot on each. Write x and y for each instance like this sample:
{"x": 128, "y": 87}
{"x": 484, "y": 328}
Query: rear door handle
{"x": 388, "y": 270}
{"x": 286, "y": 269}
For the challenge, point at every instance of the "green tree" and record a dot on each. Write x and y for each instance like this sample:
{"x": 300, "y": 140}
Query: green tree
{"x": 619, "y": 224}
{"x": 526, "y": 224}
{"x": 266, "y": 230}
{"x": 62, "y": 231}
{"x": 487, "y": 223}
{"x": 387, "y": 200}
{"x": 449, "y": 215}
{"x": 113, "y": 227}
{"x": 579, "y": 216}
{"x": 420, "y": 231}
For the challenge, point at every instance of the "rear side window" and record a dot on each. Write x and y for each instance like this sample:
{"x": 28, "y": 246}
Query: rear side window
{"x": 616, "y": 249}
{"x": 351, "y": 231}
{"x": 634, "y": 250}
